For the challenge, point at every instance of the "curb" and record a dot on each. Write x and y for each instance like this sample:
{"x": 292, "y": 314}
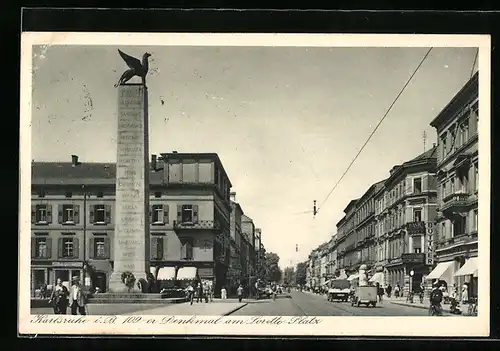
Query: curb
{"x": 235, "y": 309}
{"x": 421, "y": 307}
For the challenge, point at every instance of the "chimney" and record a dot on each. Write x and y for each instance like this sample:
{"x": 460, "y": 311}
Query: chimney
{"x": 74, "y": 160}
{"x": 174, "y": 152}
{"x": 433, "y": 144}
{"x": 153, "y": 162}
{"x": 232, "y": 196}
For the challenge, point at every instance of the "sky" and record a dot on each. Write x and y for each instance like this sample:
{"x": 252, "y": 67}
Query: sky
{"x": 285, "y": 121}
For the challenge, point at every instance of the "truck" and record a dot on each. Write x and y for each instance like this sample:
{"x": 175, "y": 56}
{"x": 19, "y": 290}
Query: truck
{"x": 339, "y": 289}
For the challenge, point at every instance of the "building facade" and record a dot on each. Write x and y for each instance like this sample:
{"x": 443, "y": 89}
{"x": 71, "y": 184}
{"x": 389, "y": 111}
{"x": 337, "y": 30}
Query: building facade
{"x": 73, "y": 219}
{"x": 458, "y": 184}
{"x": 348, "y": 257}
{"x": 405, "y": 210}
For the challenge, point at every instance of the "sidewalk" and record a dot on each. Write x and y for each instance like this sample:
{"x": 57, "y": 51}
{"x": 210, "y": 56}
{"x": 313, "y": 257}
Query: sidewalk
{"x": 215, "y": 308}
{"x": 425, "y": 305}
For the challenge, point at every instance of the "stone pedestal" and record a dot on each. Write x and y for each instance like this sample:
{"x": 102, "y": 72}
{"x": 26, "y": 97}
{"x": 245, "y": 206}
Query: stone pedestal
{"x": 131, "y": 236}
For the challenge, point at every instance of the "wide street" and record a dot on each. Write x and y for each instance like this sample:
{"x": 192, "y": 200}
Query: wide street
{"x": 308, "y": 304}
{"x": 297, "y": 304}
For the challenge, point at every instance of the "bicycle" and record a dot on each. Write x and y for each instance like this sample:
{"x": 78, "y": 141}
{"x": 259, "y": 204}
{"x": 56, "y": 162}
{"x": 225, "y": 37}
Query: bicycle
{"x": 472, "y": 310}
{"x": 435, "y": 310}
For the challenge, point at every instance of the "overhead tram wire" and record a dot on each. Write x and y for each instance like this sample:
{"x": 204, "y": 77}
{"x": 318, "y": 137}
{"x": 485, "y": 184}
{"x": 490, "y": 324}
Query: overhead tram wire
{"x": 376, "y": 127}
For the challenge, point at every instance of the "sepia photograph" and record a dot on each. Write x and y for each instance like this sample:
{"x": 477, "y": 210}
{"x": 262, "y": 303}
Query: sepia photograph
{"x": 276, "y": 184}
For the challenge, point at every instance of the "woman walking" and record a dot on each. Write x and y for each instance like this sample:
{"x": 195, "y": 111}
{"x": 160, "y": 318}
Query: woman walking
{"x": 59, "y": 298}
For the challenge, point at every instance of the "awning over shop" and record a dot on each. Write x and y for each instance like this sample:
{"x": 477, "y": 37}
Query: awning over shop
{"x": 152, "y": 270}
{"x": 443, "y": 271}
{"x": 353, "y": 277}
{"x": 469, "y": 268}
{"x": 377, "y": 278}
{"x": 186, "y": 273}
{"x": 166, "y": 273}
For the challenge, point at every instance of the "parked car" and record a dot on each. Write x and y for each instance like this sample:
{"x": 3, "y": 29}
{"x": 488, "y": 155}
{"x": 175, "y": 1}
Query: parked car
{"x": 339, "y": 290}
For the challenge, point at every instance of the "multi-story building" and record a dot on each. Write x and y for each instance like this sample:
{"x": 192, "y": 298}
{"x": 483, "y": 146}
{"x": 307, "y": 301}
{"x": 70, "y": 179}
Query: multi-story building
{"x": 406, "y": 204}
{"x": 235, "y": 273}
{"x": 458, "y": 184}
{"x": 323, "y": 259}
{"x": 189, "y": 215}
{"x": 348, "y": 257}
{"x": 248, "y": 231}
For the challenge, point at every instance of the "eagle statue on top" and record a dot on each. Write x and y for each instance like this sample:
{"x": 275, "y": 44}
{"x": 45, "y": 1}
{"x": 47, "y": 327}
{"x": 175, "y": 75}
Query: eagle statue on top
{"x": 136, "y": 68}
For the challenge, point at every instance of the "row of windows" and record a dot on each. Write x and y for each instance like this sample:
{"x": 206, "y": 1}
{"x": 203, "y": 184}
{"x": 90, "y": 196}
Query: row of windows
{"x": 458, "y": 134}
{"x": 99, "y": 248}
{"x": 458, "y": 226}
{"x": 459, "y": 182}
{"x": 101, "y": 214}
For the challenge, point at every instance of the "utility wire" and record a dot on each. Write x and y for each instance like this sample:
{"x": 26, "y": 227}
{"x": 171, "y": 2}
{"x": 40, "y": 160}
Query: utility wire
{"x": 376, "y": 127}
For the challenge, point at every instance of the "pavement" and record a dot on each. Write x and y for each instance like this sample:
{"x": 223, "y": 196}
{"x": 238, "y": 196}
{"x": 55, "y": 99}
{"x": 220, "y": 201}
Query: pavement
{"x": 310, "y": 304}
{"x": 215, "y": 308}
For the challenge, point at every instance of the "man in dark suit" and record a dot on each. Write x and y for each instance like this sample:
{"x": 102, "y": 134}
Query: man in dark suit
{"x": 77, "y": 297}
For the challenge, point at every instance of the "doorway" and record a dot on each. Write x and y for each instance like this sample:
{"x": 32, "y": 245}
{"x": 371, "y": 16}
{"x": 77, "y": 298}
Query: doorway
{"x": 100, "y": 281}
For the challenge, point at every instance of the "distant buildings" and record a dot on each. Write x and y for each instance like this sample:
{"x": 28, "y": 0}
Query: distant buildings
{"x": 196, "y": 229}
{"x": 421, "y": 223}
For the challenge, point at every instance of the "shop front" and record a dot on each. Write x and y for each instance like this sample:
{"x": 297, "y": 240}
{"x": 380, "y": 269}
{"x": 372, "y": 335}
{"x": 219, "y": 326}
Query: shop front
{"x": 65, "y": 271}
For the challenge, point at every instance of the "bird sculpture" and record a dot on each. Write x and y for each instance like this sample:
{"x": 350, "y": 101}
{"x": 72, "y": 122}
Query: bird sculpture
{"x": 136, "y": 68}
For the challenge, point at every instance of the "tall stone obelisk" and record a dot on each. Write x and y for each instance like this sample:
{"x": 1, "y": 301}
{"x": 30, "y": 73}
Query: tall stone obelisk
{"x": 131, "y": 236}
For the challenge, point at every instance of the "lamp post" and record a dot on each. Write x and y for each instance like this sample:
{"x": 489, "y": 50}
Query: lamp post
{"x": 412, "y": 272}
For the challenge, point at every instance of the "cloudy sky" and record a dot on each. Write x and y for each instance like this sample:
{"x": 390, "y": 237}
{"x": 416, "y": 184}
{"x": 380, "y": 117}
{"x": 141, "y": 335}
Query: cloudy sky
{"x": 285, "y": 121}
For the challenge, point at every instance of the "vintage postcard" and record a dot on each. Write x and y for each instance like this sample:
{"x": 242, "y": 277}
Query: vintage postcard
{"x": 260, "y": 184}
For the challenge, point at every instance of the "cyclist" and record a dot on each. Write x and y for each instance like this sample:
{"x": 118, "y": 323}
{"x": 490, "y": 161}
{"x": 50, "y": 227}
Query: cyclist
{"x": 436, "y": 297}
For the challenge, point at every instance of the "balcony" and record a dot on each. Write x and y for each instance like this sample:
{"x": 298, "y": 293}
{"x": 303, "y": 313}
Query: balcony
{"x": 461, "y": 239}
{"x": 455, "y": 202}
{"x": 415, "y": 227}
{"x": 200, "y": 225}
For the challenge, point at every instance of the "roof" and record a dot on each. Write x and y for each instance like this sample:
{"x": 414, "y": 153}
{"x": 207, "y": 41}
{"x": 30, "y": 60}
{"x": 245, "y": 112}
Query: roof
{"x": 431, "y": 153}
{"x": 468, "y": 92}
{"x": 238, "y": 206}
{"x": 424, "y": 157}
{"x": 197, "y": 155}
{"x": 350, "y": 204}
{"x": 83, "y": 173}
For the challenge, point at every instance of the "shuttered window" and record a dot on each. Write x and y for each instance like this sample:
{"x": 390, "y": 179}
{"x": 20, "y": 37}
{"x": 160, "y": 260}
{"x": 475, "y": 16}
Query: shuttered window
{"x": 158, "y": 214}
{"x": 68, "y": 214}
{"x": 41, "y": 247}
{"x": 157, "y": 247}
{"x": 68, "y": 247}
{"x": 187, "y": 249}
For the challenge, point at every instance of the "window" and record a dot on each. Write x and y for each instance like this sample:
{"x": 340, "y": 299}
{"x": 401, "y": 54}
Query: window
{"x": 417, "y": 185}
{"x": 452, "y": 184}
{"x": 417, "y": 250}
{"x": 417, "y": 215}
{"x": 187, "y": 213}
{"x": 99, "y": 249}
{"x": 100, "y": 214}
{"x": 69, "y": 214}
{"x": 464, "y": 131}
{"x": 68, "y": 248}
{"x": 159, "y": 214}
{"x": 43, "y": 214}
{"x": 443, "y": 189}
{"x": 41, "y": 247}
{"x": 476, "y": 169}
{"x": 453, "y": 136}
{"x": 187, "y": 249}
{"x": 443, "y": 143}
{"x": 443, "y": 231}
{"x": 476, "y": 220}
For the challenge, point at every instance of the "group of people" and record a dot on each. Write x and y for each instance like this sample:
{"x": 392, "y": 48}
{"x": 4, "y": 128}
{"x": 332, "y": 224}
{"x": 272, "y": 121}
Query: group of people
{"x": 75, "y": 297}
{"x": 204, "y": 292}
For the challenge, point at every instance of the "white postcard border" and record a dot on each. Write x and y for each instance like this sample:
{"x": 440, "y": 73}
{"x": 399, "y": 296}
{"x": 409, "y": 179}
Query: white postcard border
{"x": 327, "y": 326}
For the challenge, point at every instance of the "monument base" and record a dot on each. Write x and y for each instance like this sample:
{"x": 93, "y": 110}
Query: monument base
{"x": 117, "y": 286}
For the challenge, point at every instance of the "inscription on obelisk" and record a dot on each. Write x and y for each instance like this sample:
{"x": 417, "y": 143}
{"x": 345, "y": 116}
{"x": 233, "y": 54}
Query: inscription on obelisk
{"x": 131, "y": 237}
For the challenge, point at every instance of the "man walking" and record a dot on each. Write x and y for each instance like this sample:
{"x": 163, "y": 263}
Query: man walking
{"x": 240, "y": 293}
{"x": 77, "y": 298}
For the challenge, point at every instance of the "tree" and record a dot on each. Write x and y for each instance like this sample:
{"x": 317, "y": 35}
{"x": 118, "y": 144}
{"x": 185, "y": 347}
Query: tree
{"x": 289, "y": 276}
{"x": 300, "y": 275}
{"x": 272, "y": 265}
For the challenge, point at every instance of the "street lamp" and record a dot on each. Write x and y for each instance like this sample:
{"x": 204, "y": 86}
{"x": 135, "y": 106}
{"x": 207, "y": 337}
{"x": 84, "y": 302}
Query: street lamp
{"x": 412, "y": 272}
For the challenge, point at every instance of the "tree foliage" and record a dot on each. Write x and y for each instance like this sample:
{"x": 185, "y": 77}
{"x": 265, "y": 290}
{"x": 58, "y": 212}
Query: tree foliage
{"x": 300, "y": 275}
{"x": 272, "y": 265}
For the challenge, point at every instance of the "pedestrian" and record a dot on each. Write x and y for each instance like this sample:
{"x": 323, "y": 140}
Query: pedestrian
{"x": 223, "y": 293}
{"x": 388, "y": 290}
{"x": 77, "y": 298}
{"x": 199, "y": 293}
{"x": 397, "y": 290}
{"x": 190, "y": 292}
{"x": 239, "y": 291}
{"x": 380, "y": 292}
{"x": 465, "y": 294}
{"x": 59, "y": 298}
{"x": 435, "y": 299}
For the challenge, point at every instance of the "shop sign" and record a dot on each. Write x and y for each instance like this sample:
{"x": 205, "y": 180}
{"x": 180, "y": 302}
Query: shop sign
{"x": 415, "y": 227}
{"x": 429, "y": 260}
{"x": 412, "y": 258}
{"x": 67, "y": 264}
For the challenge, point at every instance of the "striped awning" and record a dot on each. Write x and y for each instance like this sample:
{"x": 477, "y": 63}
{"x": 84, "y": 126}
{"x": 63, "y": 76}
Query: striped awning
{"x": 166, "y": 273}
{"x": 187, "y": 273}
{"x": 469, "y": 268}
